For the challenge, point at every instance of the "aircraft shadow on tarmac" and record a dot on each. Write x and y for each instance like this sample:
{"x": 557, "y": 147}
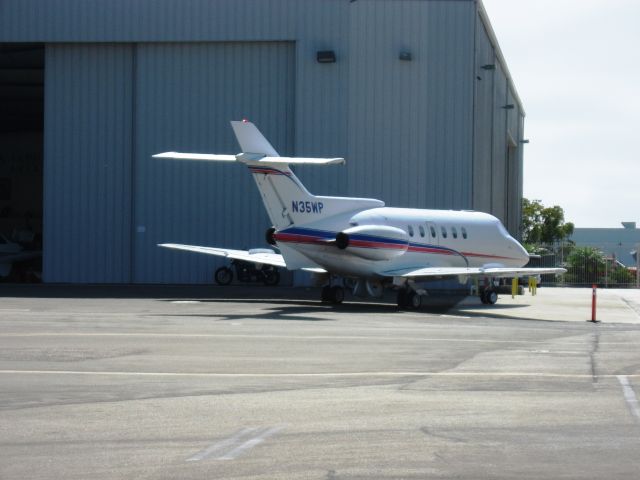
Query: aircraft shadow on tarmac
{"x": 298, "y": 310}
{"x": 306, "y": 310}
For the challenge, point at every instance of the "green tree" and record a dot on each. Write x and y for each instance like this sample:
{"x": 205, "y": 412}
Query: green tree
{"x": 542, "y": 224}
{"x": 585, "y": 265}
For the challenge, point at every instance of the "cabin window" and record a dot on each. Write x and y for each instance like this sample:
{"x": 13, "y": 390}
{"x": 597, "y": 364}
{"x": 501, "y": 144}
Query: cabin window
{"x": 433, "y": 231}
{"x": 454, "y": 232}
{"x": 421, "y": 228}
{"x": 464, "y": 232}
{"x": 410, "y": 228}
{"x": 444, "y": 232}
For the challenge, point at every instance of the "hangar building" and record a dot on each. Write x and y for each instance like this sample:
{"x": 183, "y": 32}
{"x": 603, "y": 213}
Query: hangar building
{"x": 415, "y": 94}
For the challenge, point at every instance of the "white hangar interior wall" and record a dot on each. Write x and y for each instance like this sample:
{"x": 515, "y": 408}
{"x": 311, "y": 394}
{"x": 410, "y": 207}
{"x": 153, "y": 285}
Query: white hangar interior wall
{"x": 131, "y": 80}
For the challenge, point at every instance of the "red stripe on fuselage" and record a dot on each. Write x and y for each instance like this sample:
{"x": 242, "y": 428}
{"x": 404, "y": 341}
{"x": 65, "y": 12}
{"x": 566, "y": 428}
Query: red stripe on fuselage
{"x": 314, "y": 240}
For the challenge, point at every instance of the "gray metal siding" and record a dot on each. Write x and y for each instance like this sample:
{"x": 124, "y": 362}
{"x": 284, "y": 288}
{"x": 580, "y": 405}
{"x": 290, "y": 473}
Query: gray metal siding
{"x": 411, "y": 122}
{"x": 185, "y": 96}
{"x": 513, "y": 168}
{"x": 424, "y": 133}
{"x": 146, "y": 20}
{"x": 498, "y": 130}
{"x": 321, "y": 94}
{"x": 87, "y": 163}
{"x": 499, "y": 159}
{"x": 483, "y": 121}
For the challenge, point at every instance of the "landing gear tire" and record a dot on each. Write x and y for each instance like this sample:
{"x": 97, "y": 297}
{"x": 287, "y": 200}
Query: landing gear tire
{"x": 491, "y": 296}
{"x": 271, "y": 277}
{"x": 337, "y": 294}
{"x": 415, "y": 300}
{"x": 223, "y": 276}
{"x": 333, "y": 294}
{"x": 402, "y": 298}
{"x": 325, "y": 295}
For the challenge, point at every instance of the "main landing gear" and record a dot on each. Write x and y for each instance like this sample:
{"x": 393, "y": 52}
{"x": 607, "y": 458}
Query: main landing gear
{"x": 489, "y": 296}
{"x": 333, "y": 294}
{"x": 408, "y": 298}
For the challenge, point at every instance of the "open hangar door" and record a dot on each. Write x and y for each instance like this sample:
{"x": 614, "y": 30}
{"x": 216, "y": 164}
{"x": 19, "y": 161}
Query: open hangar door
{"x": 21, "y": 161}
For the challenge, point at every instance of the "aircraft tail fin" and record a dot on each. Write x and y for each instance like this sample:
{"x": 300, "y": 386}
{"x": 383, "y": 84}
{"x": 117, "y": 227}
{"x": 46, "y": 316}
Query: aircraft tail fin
{"x": 285, "y": 198}
{"x": 251, "y": 139}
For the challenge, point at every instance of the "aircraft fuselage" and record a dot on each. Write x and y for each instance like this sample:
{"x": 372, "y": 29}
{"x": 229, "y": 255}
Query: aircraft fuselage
{"x": 436, "y": 238}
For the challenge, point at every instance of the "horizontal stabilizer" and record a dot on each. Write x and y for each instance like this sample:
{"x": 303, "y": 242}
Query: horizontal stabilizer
{"x": 250, "y": 158}
{"x": 303, "y": 160}
{"x": 196, "y": 156}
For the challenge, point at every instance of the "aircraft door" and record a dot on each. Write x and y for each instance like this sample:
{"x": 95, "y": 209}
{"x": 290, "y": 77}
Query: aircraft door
{"x": 432, "y": 232}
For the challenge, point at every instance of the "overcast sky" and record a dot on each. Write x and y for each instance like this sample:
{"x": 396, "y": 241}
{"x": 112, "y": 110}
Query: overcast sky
{"x": 576, "y": 67}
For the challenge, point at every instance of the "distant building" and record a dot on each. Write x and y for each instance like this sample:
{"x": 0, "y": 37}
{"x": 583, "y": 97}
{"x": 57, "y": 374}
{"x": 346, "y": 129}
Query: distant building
{"x": 613, "y": 242}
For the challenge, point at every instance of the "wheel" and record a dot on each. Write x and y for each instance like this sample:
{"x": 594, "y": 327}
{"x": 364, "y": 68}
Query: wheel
{"x": 491, "y": 297}
{"x": 325, "y": 295}
{"x": 402, "y": 298}
{"x": 337, "y": 294}
{"x": 483, "y": 297}
{"x": 271, "y": 277}
{"x": 415, "y": 300}
{"x": 223, "y": 276}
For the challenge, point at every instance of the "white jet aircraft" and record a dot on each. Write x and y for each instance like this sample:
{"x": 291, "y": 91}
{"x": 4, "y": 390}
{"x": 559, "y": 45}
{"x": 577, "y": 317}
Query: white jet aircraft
{"x": 360, "y": 238}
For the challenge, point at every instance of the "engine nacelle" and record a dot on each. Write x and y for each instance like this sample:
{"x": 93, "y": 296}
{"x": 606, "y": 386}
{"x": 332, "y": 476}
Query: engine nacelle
{"x": 269, "y": 236}
{"x": 373, "y": 242}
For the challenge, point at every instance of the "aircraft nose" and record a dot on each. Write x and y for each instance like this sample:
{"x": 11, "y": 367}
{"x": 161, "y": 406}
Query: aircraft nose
{"x": 520, "y": 251}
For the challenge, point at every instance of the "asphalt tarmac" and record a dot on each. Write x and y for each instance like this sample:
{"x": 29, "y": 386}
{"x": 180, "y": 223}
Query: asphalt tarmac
{"x": 224, "y": 383}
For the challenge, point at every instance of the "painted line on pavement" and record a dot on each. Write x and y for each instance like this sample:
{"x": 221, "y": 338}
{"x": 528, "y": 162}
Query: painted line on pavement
{"x": 555, "y": 342}
{"x": 252, "y": 442}
{"x": 236, "y": 445}
{"x": 222, "y": 445}
{"x": 630, "y": 395}
{"x": 311, "y": 375}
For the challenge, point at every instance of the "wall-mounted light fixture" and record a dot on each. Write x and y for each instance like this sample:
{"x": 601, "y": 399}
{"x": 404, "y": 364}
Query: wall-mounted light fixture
{"x": 509, "y": 106}
{"x": 489, "y": 66}
{"x": 326, "y": 56}
{"x": 405, "y": 56}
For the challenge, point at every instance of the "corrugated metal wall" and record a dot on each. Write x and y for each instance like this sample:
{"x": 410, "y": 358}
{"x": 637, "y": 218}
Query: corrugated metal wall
{"x": 411, "y": 121}
{"x": 185, "y": 96}
{"x": 87, "y": 163}
{"x": 149, "y": 20}
{"x": 498, "y": 131}
{"x": 419, "y": 133}
{"x": 483, "y": 121}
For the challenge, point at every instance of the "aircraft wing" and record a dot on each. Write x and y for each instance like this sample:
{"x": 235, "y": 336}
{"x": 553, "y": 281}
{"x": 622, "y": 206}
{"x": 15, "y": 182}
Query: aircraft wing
{"x": 494, "y": 272}
{"x": 265, "y": 258}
